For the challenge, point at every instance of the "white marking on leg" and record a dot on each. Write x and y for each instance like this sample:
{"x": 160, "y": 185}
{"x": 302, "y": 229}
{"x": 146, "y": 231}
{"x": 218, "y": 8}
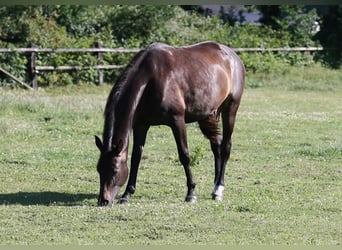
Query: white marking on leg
{"x": 218, "y": 192}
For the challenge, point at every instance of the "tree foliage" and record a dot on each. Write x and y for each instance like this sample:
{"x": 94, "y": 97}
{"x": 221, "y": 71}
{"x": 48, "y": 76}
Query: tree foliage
{"x": 330, "y": 36}
{"x": 73, "y": 26}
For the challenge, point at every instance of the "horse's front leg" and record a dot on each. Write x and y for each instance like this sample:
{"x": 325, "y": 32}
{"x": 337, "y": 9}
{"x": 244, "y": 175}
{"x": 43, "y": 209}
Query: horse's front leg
{"x": 139, "y": 138}
{"x": 179, "y": 132}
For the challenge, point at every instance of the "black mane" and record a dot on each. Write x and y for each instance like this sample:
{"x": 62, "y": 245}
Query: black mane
{"x": 113, "y": 98}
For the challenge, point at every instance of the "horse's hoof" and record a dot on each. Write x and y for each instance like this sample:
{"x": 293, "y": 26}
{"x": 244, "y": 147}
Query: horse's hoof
{"x": 217, "y": 197}
{"x": 217, "y": 194}
{"x": 123, "y": 200}
{"x": 191, "y": 199}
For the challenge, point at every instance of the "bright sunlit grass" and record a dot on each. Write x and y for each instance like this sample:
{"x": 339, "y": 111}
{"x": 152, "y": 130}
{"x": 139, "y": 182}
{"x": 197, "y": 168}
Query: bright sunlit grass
{"x": 283, "y": 181}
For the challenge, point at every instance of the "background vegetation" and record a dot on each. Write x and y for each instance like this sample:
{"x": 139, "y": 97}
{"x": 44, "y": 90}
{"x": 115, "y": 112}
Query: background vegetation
{"x": 74, "y": 26}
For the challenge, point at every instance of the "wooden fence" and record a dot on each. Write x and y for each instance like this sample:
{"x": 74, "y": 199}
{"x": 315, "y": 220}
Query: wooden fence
{"x": 98, "y": 50}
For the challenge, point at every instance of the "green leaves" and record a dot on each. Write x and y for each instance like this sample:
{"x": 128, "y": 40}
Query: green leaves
{"x": 80, "y": 26}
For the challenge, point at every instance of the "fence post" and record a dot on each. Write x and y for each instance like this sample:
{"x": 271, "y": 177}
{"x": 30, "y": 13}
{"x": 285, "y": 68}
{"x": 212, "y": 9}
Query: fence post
{"x": 99, "y": 63}
{"x": 31, "y": 68}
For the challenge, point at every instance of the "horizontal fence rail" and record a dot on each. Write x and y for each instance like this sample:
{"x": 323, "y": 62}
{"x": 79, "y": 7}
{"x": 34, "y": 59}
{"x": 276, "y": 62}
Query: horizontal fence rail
{"x": 52, "y": 68}
{"x": 68, "y": 50}
{"x": 98, "y": 50}
{"x": 134, "y": 50}
{"x": 278, "y": 49}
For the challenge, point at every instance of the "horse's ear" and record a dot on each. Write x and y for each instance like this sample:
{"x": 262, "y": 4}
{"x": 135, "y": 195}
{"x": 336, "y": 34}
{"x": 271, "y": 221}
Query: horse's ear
{"x": 118, "y": 147}
{"x": 99, "y": 144}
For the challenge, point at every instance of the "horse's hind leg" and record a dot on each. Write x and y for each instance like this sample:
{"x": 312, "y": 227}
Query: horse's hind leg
{"x": 228, "y": 119}
{"x": 209, "y": 128}
{"x": 179, "y": 132}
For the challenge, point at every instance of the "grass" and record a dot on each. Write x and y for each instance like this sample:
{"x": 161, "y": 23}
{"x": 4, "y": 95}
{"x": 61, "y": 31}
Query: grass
{"x": 313, "y": 78}
{"x": 283, "y": 182}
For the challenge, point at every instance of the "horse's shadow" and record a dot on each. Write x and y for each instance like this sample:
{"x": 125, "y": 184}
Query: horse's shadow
{"x": 47, "y": 198}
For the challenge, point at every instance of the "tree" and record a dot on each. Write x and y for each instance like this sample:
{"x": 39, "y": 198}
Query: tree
{"x": 138, "y": 22}
{"x": 330, "y": 36}
{"x": 269, "y": 15}
{"x": 232, "y": 14}
{"x": 14, "y": 28}
{"x": 294, "y": 23}
{"x": 80, "y": 20}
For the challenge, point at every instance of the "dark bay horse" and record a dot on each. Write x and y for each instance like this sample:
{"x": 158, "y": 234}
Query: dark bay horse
{"x": 165, "y": 85}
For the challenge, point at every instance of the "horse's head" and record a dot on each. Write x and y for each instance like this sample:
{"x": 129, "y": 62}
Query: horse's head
{"x": 113, "y": 171}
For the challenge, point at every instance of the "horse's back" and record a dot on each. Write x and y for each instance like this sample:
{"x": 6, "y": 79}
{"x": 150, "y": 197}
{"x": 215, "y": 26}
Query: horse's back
{"x": 199, "y": 61}
{"x": 193, "y": 79}
{"x": 202, "y": 54}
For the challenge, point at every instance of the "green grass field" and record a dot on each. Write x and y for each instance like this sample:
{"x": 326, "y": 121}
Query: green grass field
{"x": 283, "y": 182}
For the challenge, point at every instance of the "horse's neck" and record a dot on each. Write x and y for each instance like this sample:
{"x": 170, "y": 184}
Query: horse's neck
{"x": 125, "y": 111}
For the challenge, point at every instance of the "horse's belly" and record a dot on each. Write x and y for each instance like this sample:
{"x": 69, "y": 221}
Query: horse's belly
{"x": 159, "y": 107}
{"x": 197, "y": 114}
{"x": 200, "y": 104}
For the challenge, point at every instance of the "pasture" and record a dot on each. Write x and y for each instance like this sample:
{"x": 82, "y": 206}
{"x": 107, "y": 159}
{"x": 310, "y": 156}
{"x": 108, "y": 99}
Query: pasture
{"x": 283, "y": 181}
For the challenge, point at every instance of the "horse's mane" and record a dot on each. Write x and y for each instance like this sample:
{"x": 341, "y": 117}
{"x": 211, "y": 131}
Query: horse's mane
{"x": 114, "y": 96}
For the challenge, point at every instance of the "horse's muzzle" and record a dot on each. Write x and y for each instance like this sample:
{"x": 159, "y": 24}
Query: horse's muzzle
{"x": 103, "y": 202}
{"x": 107, "y": 197}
